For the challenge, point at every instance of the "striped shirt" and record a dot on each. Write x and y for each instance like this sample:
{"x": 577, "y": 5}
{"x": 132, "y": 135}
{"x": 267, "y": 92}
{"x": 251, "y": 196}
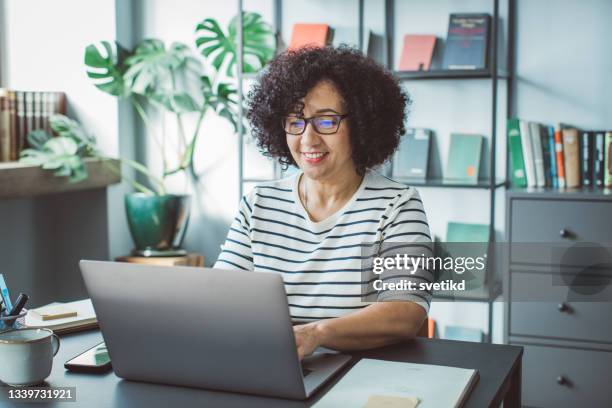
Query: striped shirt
{"x": 321, "y": 262}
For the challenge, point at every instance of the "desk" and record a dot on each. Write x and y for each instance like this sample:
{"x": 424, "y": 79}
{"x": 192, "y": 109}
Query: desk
{"x": 499, "y": 368}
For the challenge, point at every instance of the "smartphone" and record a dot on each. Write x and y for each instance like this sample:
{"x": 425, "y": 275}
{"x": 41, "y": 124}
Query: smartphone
{"x": 94, "y": 360}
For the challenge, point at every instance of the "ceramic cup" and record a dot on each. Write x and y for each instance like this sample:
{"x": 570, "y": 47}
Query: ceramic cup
{"x": 27, "y": 356}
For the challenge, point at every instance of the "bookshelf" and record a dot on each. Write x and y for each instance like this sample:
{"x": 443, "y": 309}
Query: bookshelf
{"x": 20, "y": 180}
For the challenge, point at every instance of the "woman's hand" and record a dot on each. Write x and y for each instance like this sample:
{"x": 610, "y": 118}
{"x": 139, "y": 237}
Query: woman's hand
{"x": 307, "y": 338}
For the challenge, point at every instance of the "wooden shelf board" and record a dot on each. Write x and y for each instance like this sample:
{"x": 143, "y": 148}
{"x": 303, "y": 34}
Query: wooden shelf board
{"x": 23, "y": 180}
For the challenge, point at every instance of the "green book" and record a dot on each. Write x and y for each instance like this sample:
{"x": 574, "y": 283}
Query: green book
{"x": 516, "y": 154}
{"x": 463, "y": 158}
{"x": 463, "y": 232}
{"x": 608, "y": 160}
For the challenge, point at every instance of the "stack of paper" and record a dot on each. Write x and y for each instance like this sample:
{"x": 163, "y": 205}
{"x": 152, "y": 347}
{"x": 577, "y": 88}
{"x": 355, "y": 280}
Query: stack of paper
{"x": 85, "y": 317}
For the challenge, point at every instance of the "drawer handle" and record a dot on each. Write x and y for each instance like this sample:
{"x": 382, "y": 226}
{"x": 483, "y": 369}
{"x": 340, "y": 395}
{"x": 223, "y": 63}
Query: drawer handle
{"x": 563, "y": 307}
{"x": 565, "y": 233}
{"x": 561, "y": 380}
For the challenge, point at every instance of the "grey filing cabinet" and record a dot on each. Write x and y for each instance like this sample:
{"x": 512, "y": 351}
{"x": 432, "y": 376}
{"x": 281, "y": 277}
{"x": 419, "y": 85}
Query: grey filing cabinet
{"x": 567, "y": 340}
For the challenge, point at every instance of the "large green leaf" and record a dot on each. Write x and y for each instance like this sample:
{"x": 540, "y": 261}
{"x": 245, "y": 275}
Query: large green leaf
{"x": 104, "y": 63}
{"x": 221, "y": 48}
{"x": 64, "y": 126}
{"x": 152, "y": 67}
{"x": 177, "y": 102}
{"x": 59, "y": 154}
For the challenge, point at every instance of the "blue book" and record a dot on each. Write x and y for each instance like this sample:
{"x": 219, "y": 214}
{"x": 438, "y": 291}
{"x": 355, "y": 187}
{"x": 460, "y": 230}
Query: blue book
{"x": 553, "y": 157}
{"x": 467, "y": 41}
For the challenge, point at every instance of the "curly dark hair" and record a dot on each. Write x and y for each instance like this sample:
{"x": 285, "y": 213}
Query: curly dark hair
{"x": 371, "y": 94}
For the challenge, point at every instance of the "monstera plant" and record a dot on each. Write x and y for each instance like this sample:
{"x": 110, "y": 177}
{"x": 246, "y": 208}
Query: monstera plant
{"x": 163, "y": 80}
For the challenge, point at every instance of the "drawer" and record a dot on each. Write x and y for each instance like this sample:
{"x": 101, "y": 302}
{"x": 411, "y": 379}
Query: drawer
{"x": 543, "y": 221}
{"x": 562, "y": 223}
{"x": 541, "y": 306}
{"x": 563, "y": 377}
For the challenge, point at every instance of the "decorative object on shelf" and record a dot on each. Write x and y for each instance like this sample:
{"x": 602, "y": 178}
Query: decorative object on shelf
{"x": 190, "y": 259}
{"x": 313, "y": 35}
{"x": 417, "y": 52}
{"x": 412, "y": 157}
{"x": 172, "y": 80}
{"x": 467, "y": 42}
{"x": 463, "y": 158}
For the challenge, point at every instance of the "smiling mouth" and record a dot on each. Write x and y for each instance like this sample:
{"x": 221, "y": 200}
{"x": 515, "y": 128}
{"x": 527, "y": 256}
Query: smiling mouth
{"x": 314, "y": 157}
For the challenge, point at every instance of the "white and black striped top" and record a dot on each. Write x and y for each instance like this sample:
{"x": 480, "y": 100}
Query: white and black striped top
{"x": 320, "y": 262}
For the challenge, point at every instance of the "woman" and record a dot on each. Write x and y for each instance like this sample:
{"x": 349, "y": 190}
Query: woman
{"x": 335, "y": 115}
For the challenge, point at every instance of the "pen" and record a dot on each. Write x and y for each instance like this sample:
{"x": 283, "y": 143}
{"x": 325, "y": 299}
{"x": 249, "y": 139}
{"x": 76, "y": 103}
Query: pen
{"x": 19, "y": 304}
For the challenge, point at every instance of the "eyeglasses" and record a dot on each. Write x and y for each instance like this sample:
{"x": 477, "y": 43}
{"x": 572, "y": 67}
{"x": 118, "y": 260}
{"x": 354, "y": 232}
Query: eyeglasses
{"x": 323, "y": 124}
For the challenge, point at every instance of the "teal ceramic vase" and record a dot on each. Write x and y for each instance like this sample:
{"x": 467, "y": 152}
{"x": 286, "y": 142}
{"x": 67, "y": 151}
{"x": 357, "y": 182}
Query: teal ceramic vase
{"x": 157, "y": 223}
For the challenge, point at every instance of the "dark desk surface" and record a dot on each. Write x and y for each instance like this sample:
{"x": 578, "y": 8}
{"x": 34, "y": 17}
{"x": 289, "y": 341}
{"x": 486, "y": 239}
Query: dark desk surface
{"x": 498, "y": 365}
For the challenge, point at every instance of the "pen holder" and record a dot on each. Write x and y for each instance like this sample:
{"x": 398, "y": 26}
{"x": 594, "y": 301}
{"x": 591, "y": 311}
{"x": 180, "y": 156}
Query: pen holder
{"x": 12, "y": 322}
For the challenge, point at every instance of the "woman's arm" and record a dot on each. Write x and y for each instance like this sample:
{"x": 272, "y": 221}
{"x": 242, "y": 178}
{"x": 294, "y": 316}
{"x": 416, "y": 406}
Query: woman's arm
{"x": 373, "y": 326}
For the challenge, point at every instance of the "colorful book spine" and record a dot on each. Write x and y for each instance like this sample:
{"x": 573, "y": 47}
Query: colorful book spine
{"x": 5, "y": 126}
{"x": 519, "y": 178}
{"x": 608, "y": 160}
{"x": 543, "y": 130}
{"x": 571, "y": 157}
{"x": 527, "y": 154}
{"x": 538, "y": 157}
{"x": 598, "y": 158}
{"x": 560, "y": 162}
{"x": 553, "y": 157}
{"x": 586, "y": 150}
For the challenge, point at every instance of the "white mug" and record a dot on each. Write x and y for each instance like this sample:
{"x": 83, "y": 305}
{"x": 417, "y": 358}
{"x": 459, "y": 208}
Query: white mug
{"x": 27, "y": 356}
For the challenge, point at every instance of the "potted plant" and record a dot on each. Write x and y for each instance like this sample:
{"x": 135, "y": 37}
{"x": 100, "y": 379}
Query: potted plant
{"x": 159, "y": 79}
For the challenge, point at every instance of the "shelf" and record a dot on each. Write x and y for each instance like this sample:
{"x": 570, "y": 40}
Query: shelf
{"x": 544, "y": 192}
{"x": 449, "y": 74}
{"x": 24, "y": 180}
{"x": 441, "y": 183}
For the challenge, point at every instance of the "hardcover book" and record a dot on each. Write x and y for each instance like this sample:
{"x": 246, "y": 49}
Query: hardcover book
{"x": 316, "y": 35}
{"x": 545, "y": 155}
{"x": 553, "y": 157}
{"x": 598, "y": 158}
{"x": 586, "y": 162}
{"x": 608, "y": 160}
{"x": 519, "y": 178}
{"x": 467, "y": 42}
{"x": 538, "y": 154}
{"x": 571, "y": 157}
{"x": 464, "y": 158}
{"x": 559, "y": 154}
{"x": 412, "y": 157}
{"x": 375, "y": 47}
{"x": 417, "y": 52}
{"x": 528, "y": 155}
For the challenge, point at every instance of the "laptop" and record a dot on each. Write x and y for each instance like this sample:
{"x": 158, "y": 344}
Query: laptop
{"x": 205, "y": 328}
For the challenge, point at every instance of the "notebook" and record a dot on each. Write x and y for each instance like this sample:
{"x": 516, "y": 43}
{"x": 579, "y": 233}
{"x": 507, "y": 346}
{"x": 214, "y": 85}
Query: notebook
{"x": 85, "y": 318}
{"x": 433, "y": 386}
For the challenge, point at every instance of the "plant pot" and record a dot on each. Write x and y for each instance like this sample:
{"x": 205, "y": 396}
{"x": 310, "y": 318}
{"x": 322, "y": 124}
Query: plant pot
{"x": 157, "y": 223}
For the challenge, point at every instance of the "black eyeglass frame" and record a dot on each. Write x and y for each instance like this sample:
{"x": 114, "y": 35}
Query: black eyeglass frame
{"x": 311, "y": 121}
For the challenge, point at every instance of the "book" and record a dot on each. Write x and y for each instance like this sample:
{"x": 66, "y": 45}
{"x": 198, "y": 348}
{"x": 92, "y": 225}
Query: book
{"x": 417, "y": 52}
{"x": 21, "y": 121}
{"x": 464, "y": 158}
{"x": 598, "y": 158}
{"x": 518, "y": 176}
{"x": 433, "y": 385}
{"x": 412, "y": 156}
{"x": 608, "y": 160}
{"x": 467, "y": 42}
{"x": 5, "y": 126}
{"x": 85, "y": 318}
{"x": 312, "y": 35}
{"x": 528, "y": 155}
{"x": 559, "y": 154}
{"x": 553, "y": 157}
{"x": 571, "y": 157}
{"x": 544, "y": 142}
{"x": 538, "y": 159}
{"x": 586, "y": 161}
{"x": 53, "y": 312}
{"x": 375, "y": 47}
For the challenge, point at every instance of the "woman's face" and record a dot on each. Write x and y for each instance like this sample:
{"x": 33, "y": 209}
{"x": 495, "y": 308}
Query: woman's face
{"x": 322, "y": 156}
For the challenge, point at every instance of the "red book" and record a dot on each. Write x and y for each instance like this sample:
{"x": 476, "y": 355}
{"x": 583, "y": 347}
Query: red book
{"x": 317, "y": 35}
{"x": 417, "y": 52}
{"x": 560, "y": 161}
